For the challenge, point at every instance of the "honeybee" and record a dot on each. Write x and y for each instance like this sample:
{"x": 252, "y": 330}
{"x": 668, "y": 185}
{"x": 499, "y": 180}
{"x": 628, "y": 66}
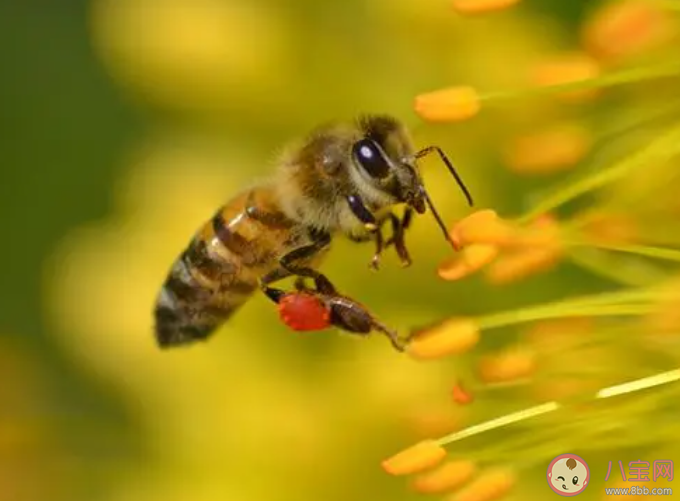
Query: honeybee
{"x": 343, "y": 179}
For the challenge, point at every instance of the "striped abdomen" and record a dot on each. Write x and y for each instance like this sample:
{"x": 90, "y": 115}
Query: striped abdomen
{"x": 221, "y": 267}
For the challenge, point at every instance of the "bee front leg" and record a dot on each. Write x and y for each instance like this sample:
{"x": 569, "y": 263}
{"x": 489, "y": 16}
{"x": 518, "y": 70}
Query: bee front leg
{"x": 399, "y": 228}
{"x": 371, "y": 224}
{"x": 362, "y": 213}
{"x": 379, "y": 247}
{"x": 377, "y": 237}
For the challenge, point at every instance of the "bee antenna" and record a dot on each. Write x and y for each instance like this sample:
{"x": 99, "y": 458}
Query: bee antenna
{"x": 452, "y": 170}
{"x": 436, "y": 215}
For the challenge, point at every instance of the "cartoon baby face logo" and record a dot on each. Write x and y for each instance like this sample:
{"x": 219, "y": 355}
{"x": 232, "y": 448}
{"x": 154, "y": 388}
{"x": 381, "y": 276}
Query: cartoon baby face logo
{"x": 568, "y": 475}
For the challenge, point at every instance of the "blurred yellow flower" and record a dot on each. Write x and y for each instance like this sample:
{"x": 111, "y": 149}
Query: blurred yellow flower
{"x": 622, "y": 29}
{"x": 507, "y": 365}
{"x": 191, "y": 53}
{"x": 567, "y": 68}
{"x": 553, "y": 149}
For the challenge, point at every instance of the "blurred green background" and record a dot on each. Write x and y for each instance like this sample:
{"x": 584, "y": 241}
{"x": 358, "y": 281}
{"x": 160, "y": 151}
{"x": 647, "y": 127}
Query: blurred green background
{"x": 125, "y": 124}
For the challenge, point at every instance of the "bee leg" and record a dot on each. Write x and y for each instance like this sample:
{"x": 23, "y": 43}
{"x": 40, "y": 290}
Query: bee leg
{"x": 377, "y": 237}
{"x": 289, "y": 267}
{"x": 350, "y": 316}
{"x": 274, "y": 276}
{"x": 362, "y": 213}
{"x": 398, "y": 343}
{"x": 361, "y": 239}
{"x": 300, "y": 285}
{"x": 379, "y": 247}
{"x": 291, "y": 262}
{"x": 276, "y": 294}
{"x": 407, "y": 218}
{"x": 398, "y": 235}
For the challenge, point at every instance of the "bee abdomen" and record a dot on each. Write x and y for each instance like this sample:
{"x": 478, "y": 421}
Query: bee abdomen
{"x": 220, "y": 269}
{"x": 200, "y": 293}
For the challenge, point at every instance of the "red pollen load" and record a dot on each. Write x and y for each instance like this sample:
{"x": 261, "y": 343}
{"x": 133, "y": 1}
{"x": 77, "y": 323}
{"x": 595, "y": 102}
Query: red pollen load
{"x": 303, "y": 312}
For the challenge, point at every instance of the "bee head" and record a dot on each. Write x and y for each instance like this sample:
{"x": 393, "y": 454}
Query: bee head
{"x": 384, "y": 158}
{"x": 387, "y": 162}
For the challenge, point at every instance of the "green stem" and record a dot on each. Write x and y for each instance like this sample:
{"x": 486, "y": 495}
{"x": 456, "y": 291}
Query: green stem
{"x": 626, "y": 296}
{"x": 640, "y": 250}
{"x": 644, "y": 383}
{"x": 500, "y": 422}
{"x": 635, "y": 119}
{"x": 531, "y": 315}
{"x": 661, "y": 150}
{"x": 603, "y": 268}
{"x": 615, "y": 78}
{"x": 626, "y": 302}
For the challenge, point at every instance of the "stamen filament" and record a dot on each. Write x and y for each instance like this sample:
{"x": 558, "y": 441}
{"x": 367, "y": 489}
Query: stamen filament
{"x": 661, "y": 150}
{"x": 639, "y": 384}
{"x": 499, "y": 422}
{"x": 627, "y": 76}
{"x": 541, "y": 313}
{"x": 599, "y": 265}
{"x": 515, "y": 417}
{"x": 641, "y": 250}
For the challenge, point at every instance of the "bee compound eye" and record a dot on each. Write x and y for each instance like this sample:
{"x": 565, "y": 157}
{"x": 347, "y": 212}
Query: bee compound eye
{"x": 371, "y": 158}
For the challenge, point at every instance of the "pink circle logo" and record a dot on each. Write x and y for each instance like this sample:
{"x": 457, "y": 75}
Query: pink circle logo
{"x": 568, "y": 475}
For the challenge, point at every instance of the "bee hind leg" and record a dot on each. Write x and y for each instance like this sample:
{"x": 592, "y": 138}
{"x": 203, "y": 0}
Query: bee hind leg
{"x": 289, "y": 267}
{"x": 276, "y": 294}
{"x": 351, "y": 316}
{"x": 301, "y": 286}
{"x": 291, "y": 263}
{"x": 273, "y": 293}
